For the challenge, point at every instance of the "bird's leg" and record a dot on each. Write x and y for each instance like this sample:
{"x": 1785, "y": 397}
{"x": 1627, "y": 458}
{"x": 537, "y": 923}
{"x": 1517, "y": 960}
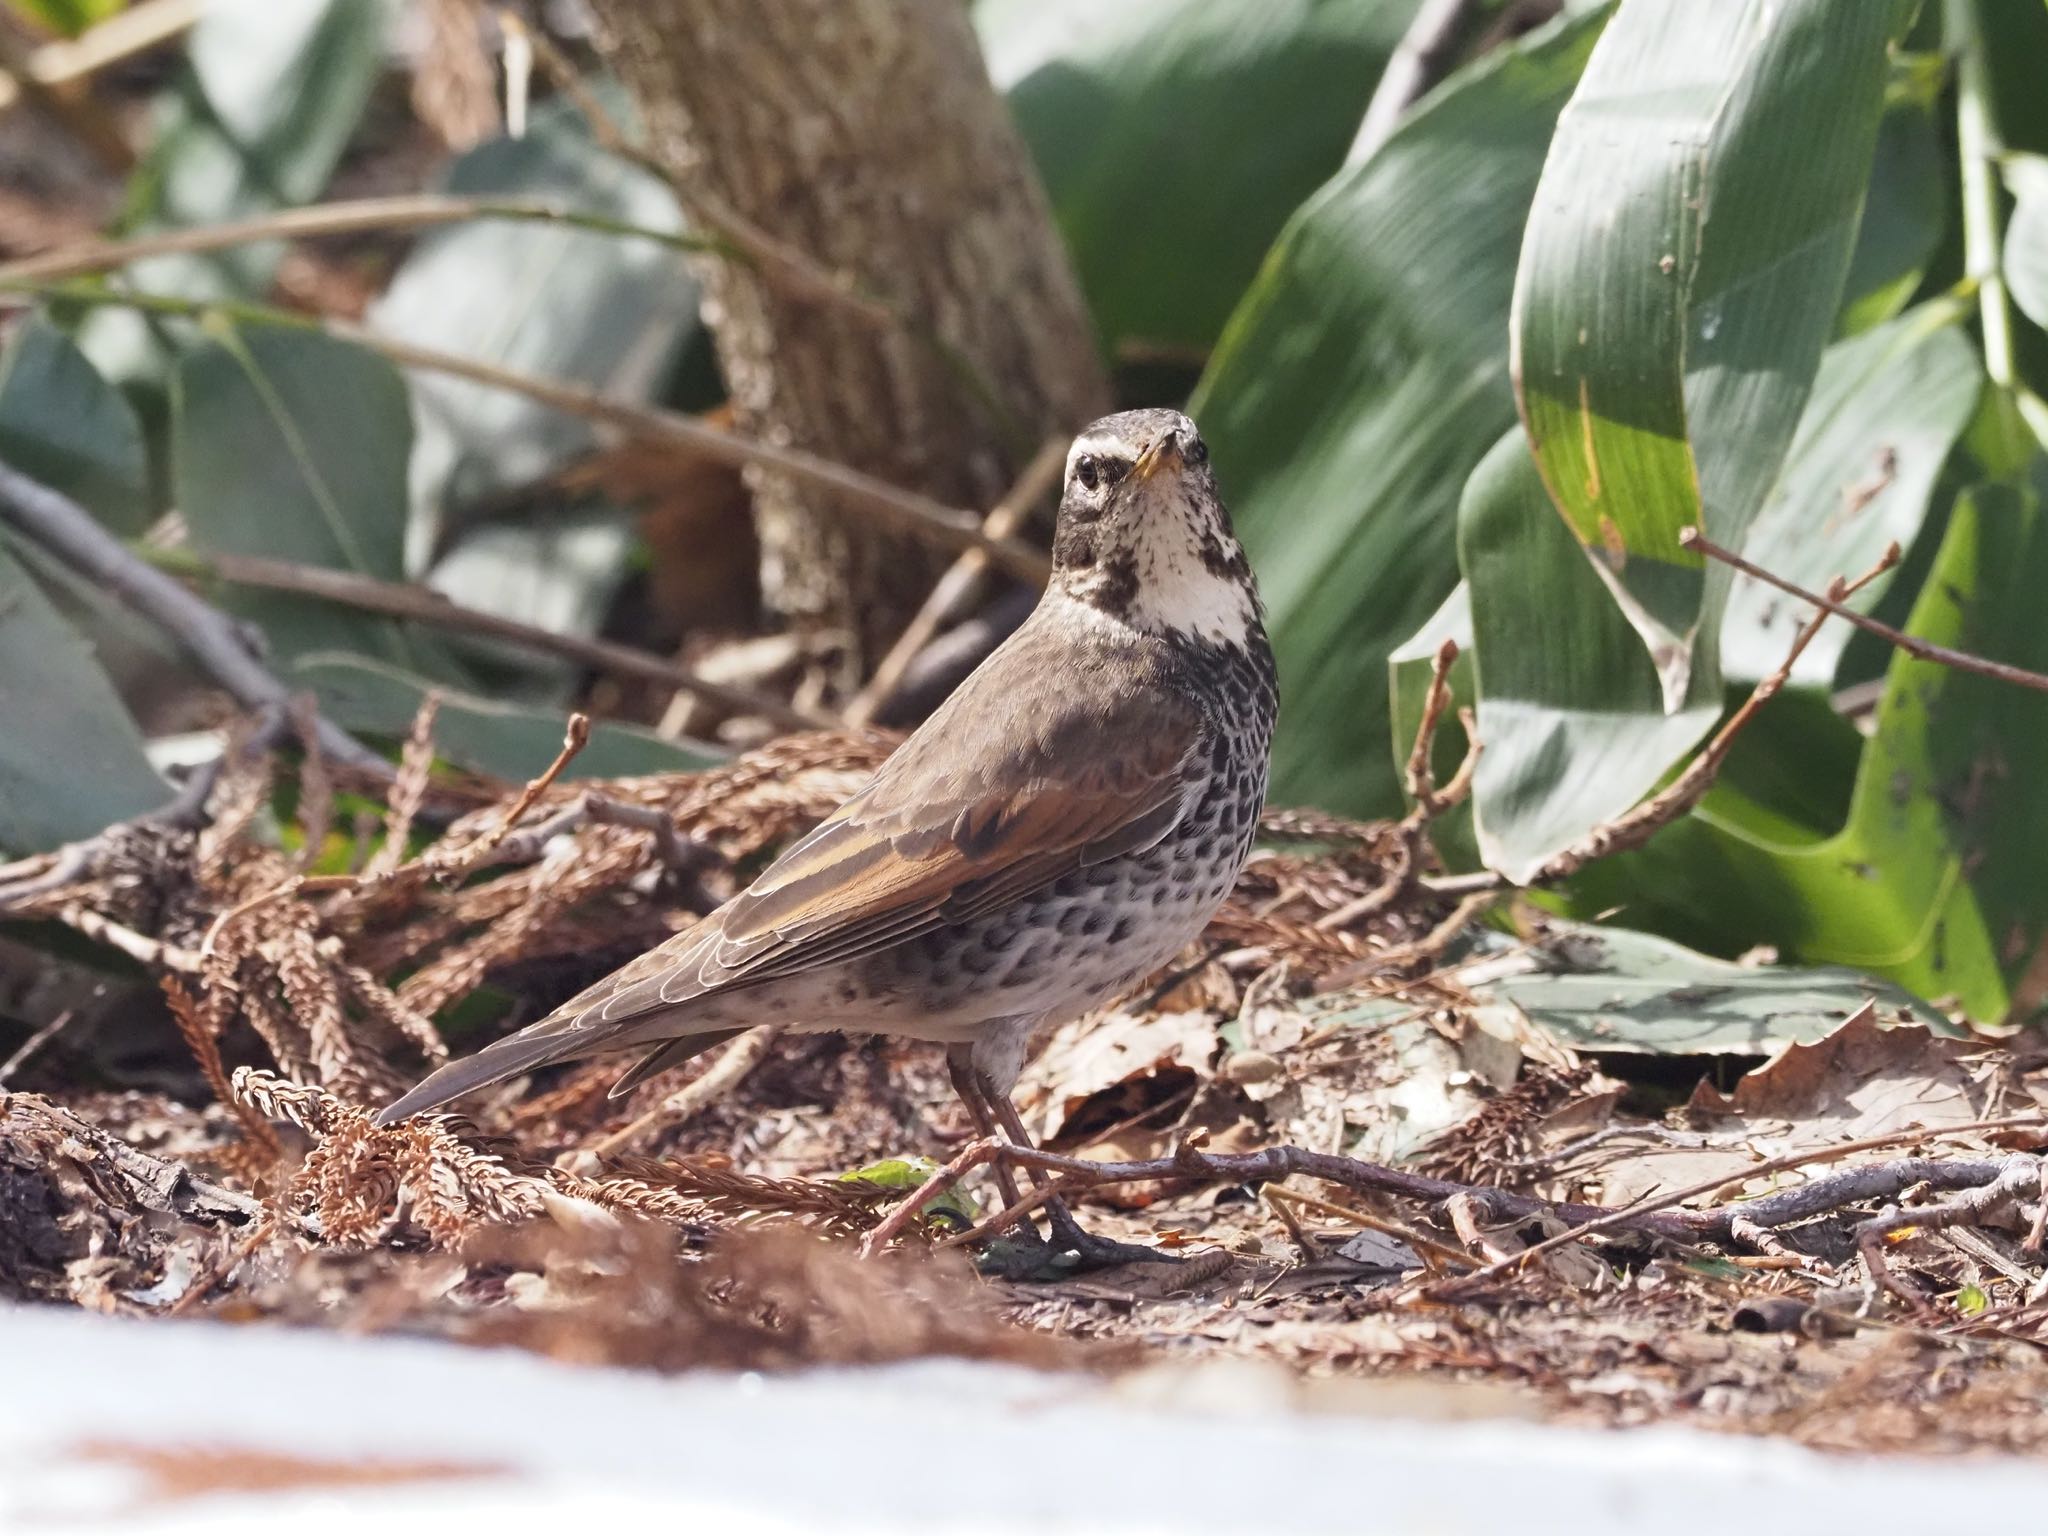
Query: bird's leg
{"x": 1066, "y": 1232}
{"x": 967, "y": 1083}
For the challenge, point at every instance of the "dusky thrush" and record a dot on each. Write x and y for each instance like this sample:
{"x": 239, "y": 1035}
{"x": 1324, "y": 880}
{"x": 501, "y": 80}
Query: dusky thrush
{"x": 1061, "y": 827}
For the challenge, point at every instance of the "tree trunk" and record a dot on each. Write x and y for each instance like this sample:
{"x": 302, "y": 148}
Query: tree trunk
{"x": 865, "y": 135}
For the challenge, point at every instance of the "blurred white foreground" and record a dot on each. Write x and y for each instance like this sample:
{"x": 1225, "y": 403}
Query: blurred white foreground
{"x": 164, "y": 1426}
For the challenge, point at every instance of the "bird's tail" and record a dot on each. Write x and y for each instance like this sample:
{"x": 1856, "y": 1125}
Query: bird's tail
{"x": 535, "y": 1047}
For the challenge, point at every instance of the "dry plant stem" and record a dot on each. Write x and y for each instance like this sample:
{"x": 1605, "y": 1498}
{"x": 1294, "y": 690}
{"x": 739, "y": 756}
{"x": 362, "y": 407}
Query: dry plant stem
{"x": 215, "y": 642}
{"x": 1434, "y": 1253}
{"x": 434, "y": 861}
{"x": 1831, "y": 602}
{"x": 905, "y": 511}
{"x": 1421, "y": 779}
{"x": 981, "y": 1150}
{"x": 725, "y": 1073}
{"x": 1787, "y": 1206}
{"x": 422, "y": 211}
{"x": 1636, "y": 826}
{"x": 136, "y": 946}
{"x": 575, "y": 736}
{"x": 1013, "y": 1213}
{"x": 2014, "y": 1179}
{"x": 1283, "y": 1212}
{"x": 962, "y": 580}
{"x": 206, "y": 1284}
{"x": 424, "y": 605}
{"x": 34, "y": 1043}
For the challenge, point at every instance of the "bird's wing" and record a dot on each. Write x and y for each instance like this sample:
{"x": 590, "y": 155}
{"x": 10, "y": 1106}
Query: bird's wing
{"x": 894, "y": 863}
{"x": 994, "y": 797}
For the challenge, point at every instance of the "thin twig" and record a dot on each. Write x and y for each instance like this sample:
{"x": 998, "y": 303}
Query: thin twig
{"x": 1640, "y": 822}
{"x": 1628, "y": 1214}
{"x": 1912, "y": 645}
{"x": 954, "y": 590}
{"x": 1428, "y": 1247}
{"x": 403, "y": 600}
{"x": 34, "y": 1043}
{"x": 575, "y": 736}
{"x": 899, "y": 509}
{"x": 424, "y": 210}
{"x": 216, "y": 643}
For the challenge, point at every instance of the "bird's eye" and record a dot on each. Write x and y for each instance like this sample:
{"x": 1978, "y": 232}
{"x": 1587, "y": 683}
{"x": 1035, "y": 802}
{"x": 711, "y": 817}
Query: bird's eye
{"x": 1197, "y": 451}
{"x": 1087, "y": 471}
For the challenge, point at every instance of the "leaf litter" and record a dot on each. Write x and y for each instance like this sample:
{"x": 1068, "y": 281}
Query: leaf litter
{"x": 1338, "y": 1007}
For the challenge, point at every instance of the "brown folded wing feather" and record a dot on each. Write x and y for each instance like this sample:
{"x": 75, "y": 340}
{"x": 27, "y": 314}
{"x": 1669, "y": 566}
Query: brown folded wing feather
{"x": 996, "y": 796}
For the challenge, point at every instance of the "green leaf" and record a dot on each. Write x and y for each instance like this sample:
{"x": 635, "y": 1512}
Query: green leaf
{"x": 1601, "y": 988}
{"x": 2026, "y": 236}
{"x": 1887, "y": 406}
{"x": 71, "y": 761}
{"x": 908, "y": 1175}
{"x": 1571, "y": 709}
{"x": 1358, "y": 384}
{"x": 1906, "y": 206}
{"x": 1176, "y": 136}
{"x": 273, "y": 94}
{"x": 1970, "y": 1300}
{"x": 290, "y": 444}
{"x": 1680, "y": 275}
{"x": 557, "y": 302}
{"x": 1934, "y": 880}
{"x": 64, "y": 425}
{"x": 484, "y": 735}
{"x": 1595, "y": 987}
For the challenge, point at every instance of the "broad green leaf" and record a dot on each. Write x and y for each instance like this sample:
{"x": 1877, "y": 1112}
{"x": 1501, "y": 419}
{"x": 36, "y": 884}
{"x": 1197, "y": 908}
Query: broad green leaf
{"x": 483, "y": 735}
{"x": 1906, "y": 206}
{"x": 907, "y": 1175}
{"x": 1176, "y": 136}
{"x": 274, "y": 91}
{"x": 290, "y": 444}
{"x": 1357, "y": 385}
{"x": 71, "y": 761}
{"x": 2026, "y": 237}
{"x": 1609, "y": 989}
{"x": 1680, "y": 275}
{"x": 1886, "y": 409}
{"x": 1934, "y": 880}
{"x": 64, "y": 425}
{"x": 556, "y": 302}
{"x": 1571, "y": 709}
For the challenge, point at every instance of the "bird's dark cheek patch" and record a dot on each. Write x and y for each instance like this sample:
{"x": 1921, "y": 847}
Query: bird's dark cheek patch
{"x": 1074, "y": 548}
{"x": 1119, "y": 589}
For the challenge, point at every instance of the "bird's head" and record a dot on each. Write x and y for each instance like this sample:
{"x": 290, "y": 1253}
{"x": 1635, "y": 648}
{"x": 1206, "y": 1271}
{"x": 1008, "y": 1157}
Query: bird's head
{"x": 1143, "y": 536}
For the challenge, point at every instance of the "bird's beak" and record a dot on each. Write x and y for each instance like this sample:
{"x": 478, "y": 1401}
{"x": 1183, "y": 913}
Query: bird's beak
{"x": 1165, "y": 450}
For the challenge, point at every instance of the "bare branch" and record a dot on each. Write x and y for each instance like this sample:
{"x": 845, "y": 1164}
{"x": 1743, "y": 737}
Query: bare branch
{"x": 1912, "y": 645}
